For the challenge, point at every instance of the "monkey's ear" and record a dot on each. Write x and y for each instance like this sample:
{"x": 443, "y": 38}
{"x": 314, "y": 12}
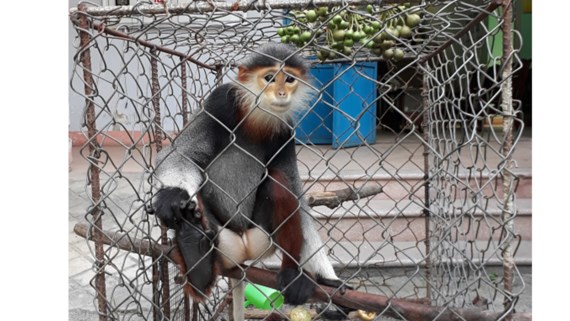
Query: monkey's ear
{"x": 243, "y": 74}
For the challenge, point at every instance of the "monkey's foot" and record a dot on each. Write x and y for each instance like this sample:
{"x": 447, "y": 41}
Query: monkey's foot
{"x": 334, "y": 313}
{"x": 296, "y": 286}
{"x": 334, "y": 283}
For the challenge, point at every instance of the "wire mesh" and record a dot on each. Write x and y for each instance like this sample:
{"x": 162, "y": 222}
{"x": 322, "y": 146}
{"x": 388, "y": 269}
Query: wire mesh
{"x": 424, "y": 131}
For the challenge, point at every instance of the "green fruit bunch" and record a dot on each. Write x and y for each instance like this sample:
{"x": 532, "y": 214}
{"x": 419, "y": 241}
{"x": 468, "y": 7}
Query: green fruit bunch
{"x": 343, "y": 32}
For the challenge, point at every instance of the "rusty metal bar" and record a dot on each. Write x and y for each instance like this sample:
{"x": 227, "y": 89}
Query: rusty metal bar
{"x": 482, "y": 15}
{"x": 102, "y": 28}
{"x": 156, "y": 277}
{"x": 100, "y": 284}
{"x": 209, "y": 6}
{"x": 155, "y": 94}
{"x": 158, "y": 136}
{"x": 426, "y": 154}
{"x": 156, "y": 315}
{"x": 399, "y": 308}
{"x": 186, "y": 307}
{"x": 185, "y": 113}
{"x": 508, "y": 213}
{"x": 184, "y": 93}
{"x": 231, "y": 308}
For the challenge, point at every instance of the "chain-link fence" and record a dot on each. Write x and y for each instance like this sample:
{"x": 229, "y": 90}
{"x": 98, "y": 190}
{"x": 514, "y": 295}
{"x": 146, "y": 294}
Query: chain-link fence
{"x": 411, "y": 134}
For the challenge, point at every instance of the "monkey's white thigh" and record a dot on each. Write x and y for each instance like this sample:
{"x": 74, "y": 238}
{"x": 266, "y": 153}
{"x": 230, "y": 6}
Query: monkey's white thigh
{"x": 257, "y": 243}
{"x": 231, "y": 248}
{"x": 235, "y": 249}
{"x": 238, "y": 289}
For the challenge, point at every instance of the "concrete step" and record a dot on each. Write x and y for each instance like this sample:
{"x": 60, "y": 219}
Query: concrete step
{"x": 404, "y": 254}
{"x": 396, "y": 213}
{"x": 385, "y": 220}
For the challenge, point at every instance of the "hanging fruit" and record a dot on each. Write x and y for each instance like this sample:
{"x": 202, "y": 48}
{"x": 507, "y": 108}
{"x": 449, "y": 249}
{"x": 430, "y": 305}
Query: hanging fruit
{"x": 338, "y": 33}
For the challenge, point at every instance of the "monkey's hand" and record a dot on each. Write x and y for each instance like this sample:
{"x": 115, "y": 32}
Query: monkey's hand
{"x": 172, "y": 205}
{"x": 296, "y": 286}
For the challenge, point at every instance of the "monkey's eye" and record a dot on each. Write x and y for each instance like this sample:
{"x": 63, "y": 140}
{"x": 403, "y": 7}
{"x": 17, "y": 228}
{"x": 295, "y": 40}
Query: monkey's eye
{"x": 269, "y": 78}
{"x": 290, "y": 79}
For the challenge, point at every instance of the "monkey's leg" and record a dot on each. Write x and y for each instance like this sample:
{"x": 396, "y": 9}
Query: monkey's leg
{"x": 196, "y": 245}
{"x": 318, "y": 262}
{"x": 295, "y": 284}
{"x": 194, "y": 237}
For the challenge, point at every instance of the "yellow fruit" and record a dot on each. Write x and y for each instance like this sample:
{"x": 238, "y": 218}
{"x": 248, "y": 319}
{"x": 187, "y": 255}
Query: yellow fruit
{"x": 300, "y": 314}
{"x": 413, "y": 20}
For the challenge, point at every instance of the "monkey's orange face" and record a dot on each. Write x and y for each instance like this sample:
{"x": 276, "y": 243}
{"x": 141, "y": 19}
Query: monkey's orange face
{"x": 271, "y": 95}
{"x": 278, "y": 87}
{"x": 275, "y": 90}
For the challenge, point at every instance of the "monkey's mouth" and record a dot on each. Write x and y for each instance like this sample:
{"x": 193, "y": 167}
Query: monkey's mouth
{"x": 280, "y": 107}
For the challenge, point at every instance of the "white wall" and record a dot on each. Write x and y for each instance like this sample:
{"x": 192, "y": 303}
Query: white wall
{"x": 122, "y": 73}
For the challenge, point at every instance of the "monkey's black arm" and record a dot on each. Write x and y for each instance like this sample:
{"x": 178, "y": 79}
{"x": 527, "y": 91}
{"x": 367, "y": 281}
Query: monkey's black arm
{"x": 180, "y": 168}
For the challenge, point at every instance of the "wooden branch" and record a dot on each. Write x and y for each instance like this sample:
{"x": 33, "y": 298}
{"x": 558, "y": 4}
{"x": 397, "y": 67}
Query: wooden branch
{"x": 335, "y": 198}
{"x": 263, "y": 314}
{"x": 123, "y": 241}
{"x": 397, "y": 308}
{"x": 331, "y": 199}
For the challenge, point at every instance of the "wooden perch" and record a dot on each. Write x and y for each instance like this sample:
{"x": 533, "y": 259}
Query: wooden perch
{"x": 397, "y": 308}
{"x": 335, "y": 198}
{"x": 144, "y": 247}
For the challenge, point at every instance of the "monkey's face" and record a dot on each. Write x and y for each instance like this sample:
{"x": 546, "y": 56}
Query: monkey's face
{"x": 274, "y": 91}
{"x": 270, "y": 96}
{"x": 278, "y": 88}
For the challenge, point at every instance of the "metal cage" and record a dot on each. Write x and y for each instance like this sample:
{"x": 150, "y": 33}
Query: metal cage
{"x": 408, "y": 161}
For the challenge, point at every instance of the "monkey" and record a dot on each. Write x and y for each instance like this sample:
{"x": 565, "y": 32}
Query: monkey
{"x": 230, "y": 186}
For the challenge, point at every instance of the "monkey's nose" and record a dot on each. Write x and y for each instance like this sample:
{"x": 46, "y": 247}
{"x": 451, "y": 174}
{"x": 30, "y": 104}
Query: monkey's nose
{"x": 281, "y": 94}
